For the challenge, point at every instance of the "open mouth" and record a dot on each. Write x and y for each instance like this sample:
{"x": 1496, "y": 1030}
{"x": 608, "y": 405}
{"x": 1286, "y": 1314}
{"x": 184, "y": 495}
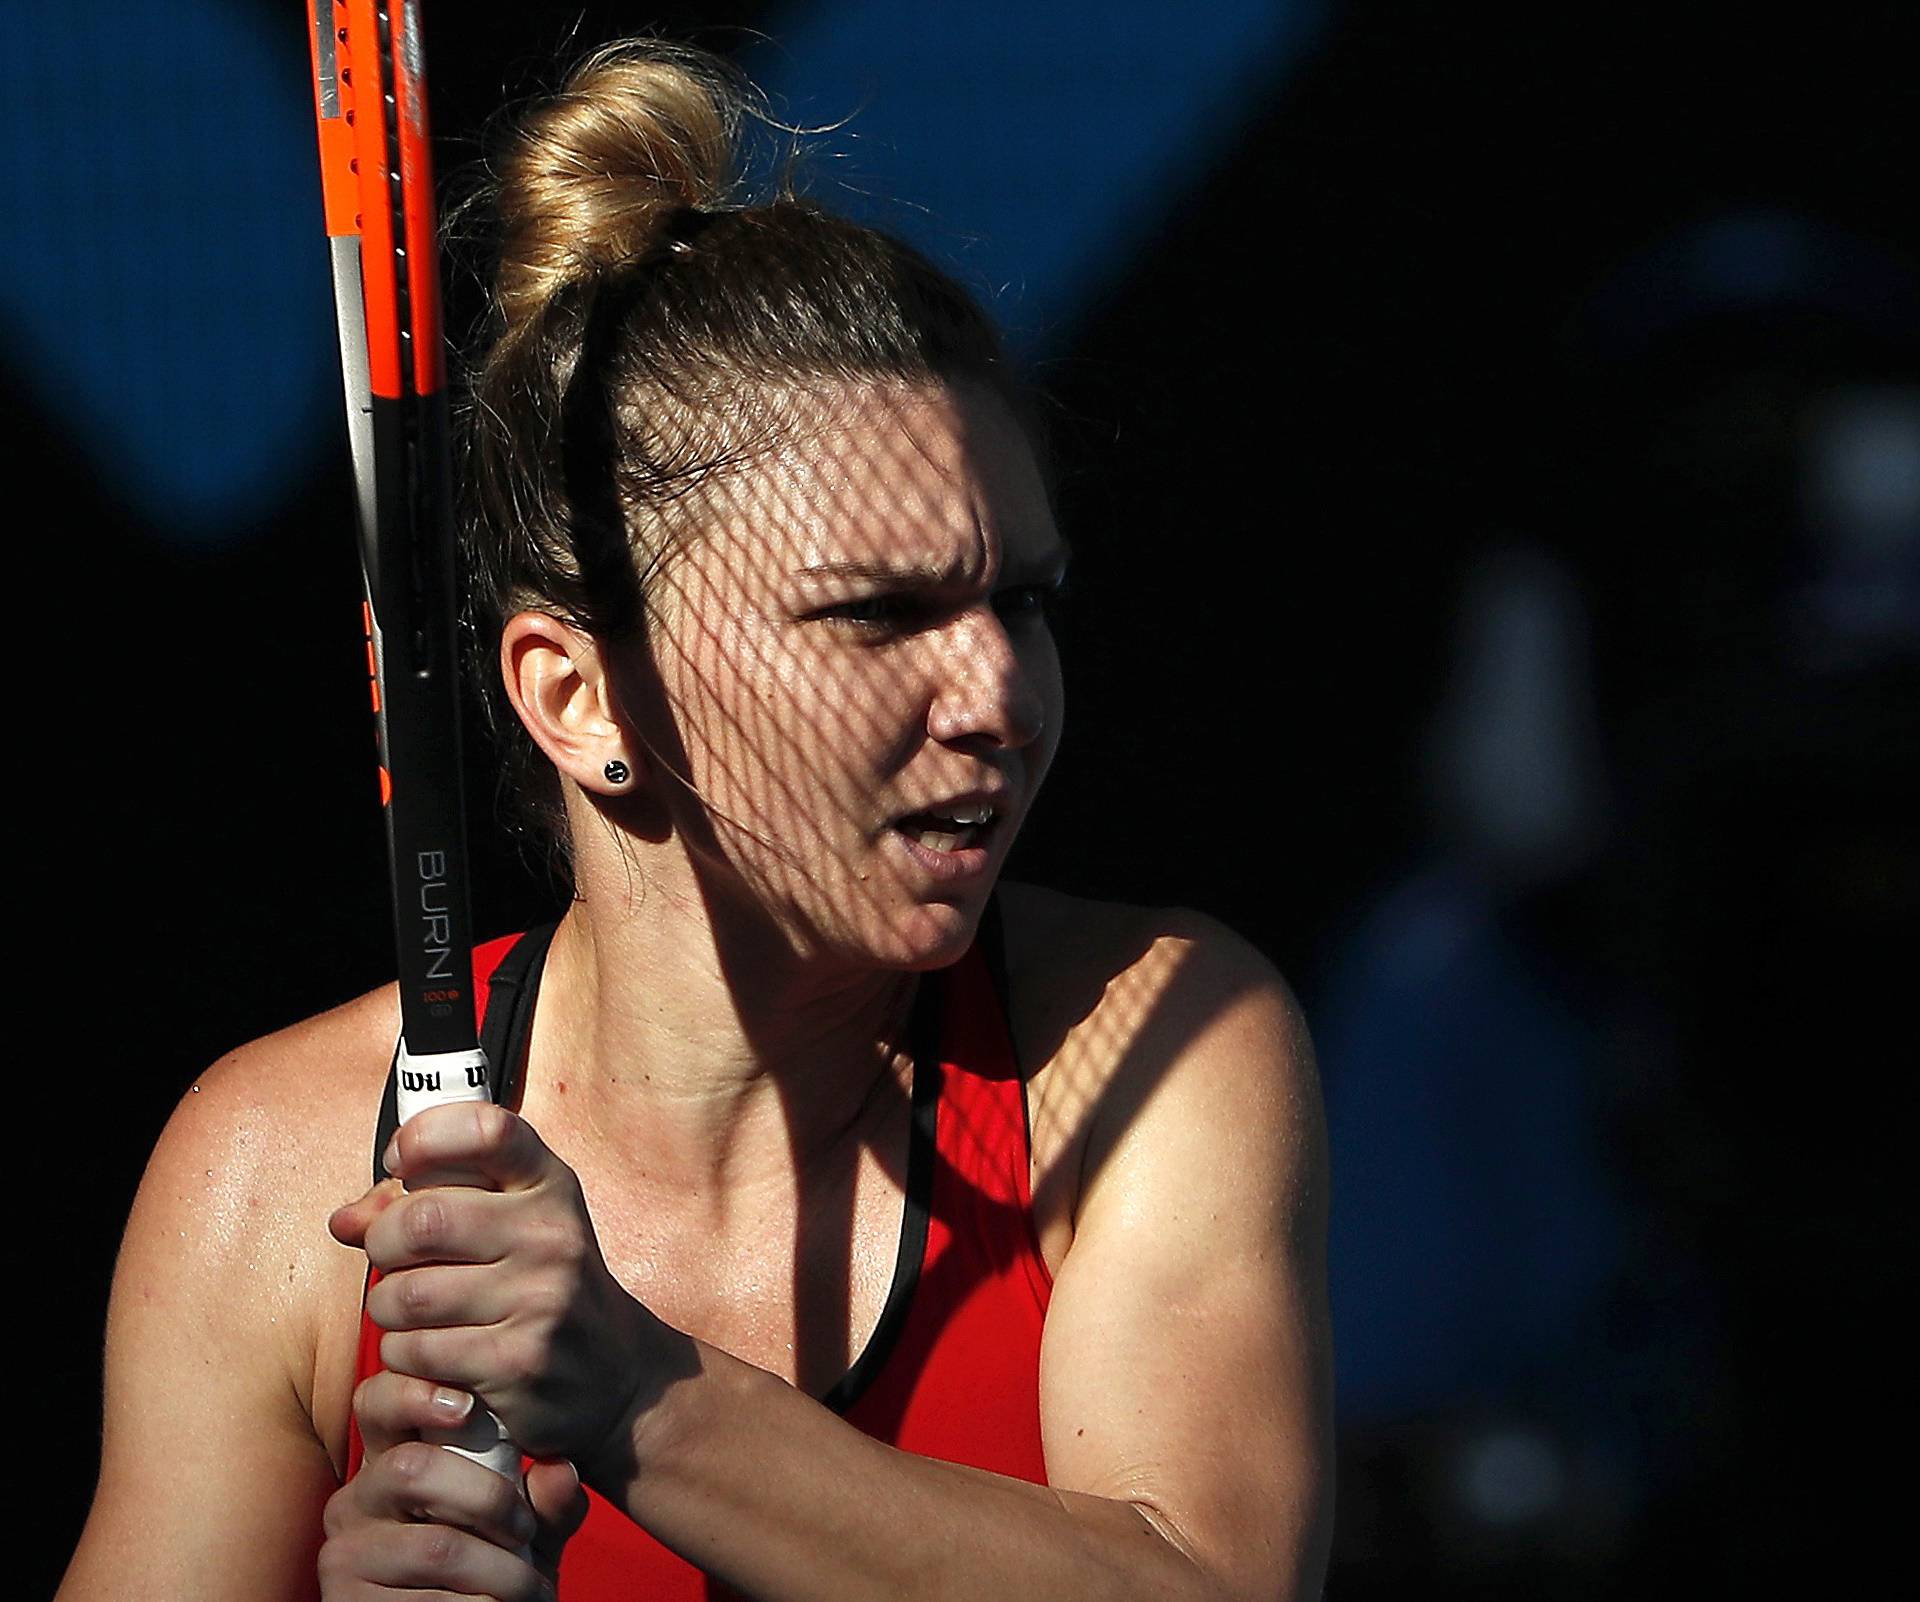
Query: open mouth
{"x": 948, "y": 831}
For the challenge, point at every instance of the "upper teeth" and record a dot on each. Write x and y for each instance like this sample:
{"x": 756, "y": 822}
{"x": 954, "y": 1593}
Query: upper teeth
{"x": 967, "y": 817}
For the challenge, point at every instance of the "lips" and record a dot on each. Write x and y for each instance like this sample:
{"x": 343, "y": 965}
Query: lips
{"x": 954, "y": 826}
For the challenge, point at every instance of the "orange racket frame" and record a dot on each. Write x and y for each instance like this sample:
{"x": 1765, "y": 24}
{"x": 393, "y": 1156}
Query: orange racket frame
{"x": 376, "y": 173}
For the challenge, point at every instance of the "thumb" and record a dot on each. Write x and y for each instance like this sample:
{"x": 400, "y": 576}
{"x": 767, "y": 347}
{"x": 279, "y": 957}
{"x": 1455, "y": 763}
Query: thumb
{"x": 560, "y": 1504}
{"x": 349, "y": 1224}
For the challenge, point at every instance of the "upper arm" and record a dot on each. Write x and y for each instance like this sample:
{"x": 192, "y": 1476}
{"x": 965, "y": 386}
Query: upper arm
{"x": 1186, "y": 1364}
{"x": 212, "y": 1476}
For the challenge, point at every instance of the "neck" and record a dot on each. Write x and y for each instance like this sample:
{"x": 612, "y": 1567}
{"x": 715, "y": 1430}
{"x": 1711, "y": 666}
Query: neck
{"x": 704, "y": 1083}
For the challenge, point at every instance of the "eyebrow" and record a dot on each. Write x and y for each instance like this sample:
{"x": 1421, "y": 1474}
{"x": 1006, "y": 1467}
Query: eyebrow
{"x": 919, "y": 575}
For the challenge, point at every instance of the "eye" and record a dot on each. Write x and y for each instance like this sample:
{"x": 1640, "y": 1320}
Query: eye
{"x": 1030, "y": 600}
{"x": 877, "y": 612}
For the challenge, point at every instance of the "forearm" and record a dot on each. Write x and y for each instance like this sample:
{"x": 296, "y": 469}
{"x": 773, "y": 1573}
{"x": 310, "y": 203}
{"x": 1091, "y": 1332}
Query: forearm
{"x": 756, "y": 1483}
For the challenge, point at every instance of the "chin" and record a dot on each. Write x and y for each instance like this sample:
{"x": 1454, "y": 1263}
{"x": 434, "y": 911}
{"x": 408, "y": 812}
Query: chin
{"x": 929, "y": 936}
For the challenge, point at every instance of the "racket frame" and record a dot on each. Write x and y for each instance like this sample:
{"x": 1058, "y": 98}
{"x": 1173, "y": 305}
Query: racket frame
{"x": 370, "y": 102}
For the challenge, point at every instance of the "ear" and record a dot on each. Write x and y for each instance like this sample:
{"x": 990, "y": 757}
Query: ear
{"x": 557, "y": 682}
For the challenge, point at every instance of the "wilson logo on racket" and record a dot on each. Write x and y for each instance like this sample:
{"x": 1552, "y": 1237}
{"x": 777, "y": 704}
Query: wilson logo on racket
{"x": 430, "y": 1081}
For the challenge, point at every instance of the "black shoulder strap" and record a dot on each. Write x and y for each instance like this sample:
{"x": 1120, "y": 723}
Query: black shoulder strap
{"x": 992, "y": 940}
{"x": 511, "y": 993}
{"x": 924, "y": 1030}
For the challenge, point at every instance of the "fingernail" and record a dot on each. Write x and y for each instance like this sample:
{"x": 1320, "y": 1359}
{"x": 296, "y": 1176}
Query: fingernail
{"x": 390, "y": 1158}
{"x": 457, "y": 1403}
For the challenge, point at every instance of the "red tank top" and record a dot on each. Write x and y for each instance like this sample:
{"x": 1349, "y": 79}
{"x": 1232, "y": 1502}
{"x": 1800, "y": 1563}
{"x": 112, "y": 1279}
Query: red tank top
{"x": 952, "y": 1370}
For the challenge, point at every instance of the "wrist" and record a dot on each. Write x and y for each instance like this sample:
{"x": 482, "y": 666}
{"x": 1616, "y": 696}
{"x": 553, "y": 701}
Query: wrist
{"x": 670, "y": 1369}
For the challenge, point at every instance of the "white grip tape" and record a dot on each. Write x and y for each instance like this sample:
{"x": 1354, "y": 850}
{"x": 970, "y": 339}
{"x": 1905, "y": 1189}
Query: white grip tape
{"x": 503, "y": 1457}
{"x": 432, "y": 1080}
{"x": 438, "y": 1077}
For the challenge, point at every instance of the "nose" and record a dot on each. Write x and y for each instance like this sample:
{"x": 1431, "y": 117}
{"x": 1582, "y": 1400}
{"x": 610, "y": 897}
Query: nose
{"x": 985, "y": 692}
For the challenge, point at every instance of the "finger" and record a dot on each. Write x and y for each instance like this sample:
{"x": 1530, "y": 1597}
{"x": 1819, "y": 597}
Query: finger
{"x": 390, "y": 1408}
{"x": 414, "y": 1483}
{"x": 559, "y": 1503}
{"x": 349, "y": 1224}
{"x": 473, "y": 1138}
{"x": 440, "y": 1296}
{"x": 489, "y": 1360}
{"x": 443, "y": 1225}
{"x": 426, "y": 1561}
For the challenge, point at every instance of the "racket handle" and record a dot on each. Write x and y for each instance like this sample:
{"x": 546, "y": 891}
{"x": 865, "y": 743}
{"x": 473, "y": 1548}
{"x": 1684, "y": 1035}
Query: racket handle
{"x": 503, "y": 1457}
{"x": 433, "y": 1080}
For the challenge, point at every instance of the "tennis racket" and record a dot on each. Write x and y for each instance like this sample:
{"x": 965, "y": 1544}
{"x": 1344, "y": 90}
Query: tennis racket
{"x": 377, "y": 184}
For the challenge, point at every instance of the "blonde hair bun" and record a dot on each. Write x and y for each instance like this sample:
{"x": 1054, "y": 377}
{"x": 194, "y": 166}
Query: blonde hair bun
{"x": 639, "y": 131}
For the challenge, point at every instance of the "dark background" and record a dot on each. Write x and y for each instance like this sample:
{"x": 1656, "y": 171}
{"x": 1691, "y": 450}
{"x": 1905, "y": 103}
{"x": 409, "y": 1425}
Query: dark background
{"x": 1562, "y": 317}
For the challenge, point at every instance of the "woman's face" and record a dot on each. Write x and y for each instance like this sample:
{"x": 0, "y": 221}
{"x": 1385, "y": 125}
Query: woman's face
{"x": 859, "y": 674}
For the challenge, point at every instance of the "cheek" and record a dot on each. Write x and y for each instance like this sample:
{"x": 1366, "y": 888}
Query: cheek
{"x": 716, "y": 681}
{"x": 731, "y": 704}
{"x": 778, "y": 720}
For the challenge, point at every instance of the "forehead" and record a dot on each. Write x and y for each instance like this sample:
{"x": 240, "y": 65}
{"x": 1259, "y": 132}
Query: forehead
{"x": 924, "y": 479}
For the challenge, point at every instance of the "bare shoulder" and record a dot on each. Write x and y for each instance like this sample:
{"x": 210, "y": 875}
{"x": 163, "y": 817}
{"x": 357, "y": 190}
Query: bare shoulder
{"x": 1115, "y": 1007}
{"x": 263, "y": 1145}
{"x": 1186, "y": 1365}
{"x": 231, "y": 1328}
{"x": 1067, "y": 945}
{"x": 274, "y": 1113}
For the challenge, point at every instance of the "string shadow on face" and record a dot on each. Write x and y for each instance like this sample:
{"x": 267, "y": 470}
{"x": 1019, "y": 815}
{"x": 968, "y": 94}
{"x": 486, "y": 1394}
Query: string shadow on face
{"x": 781, "y": 740}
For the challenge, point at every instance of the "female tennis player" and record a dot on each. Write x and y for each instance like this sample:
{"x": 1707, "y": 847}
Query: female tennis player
{"x": 855, "y": 1225}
